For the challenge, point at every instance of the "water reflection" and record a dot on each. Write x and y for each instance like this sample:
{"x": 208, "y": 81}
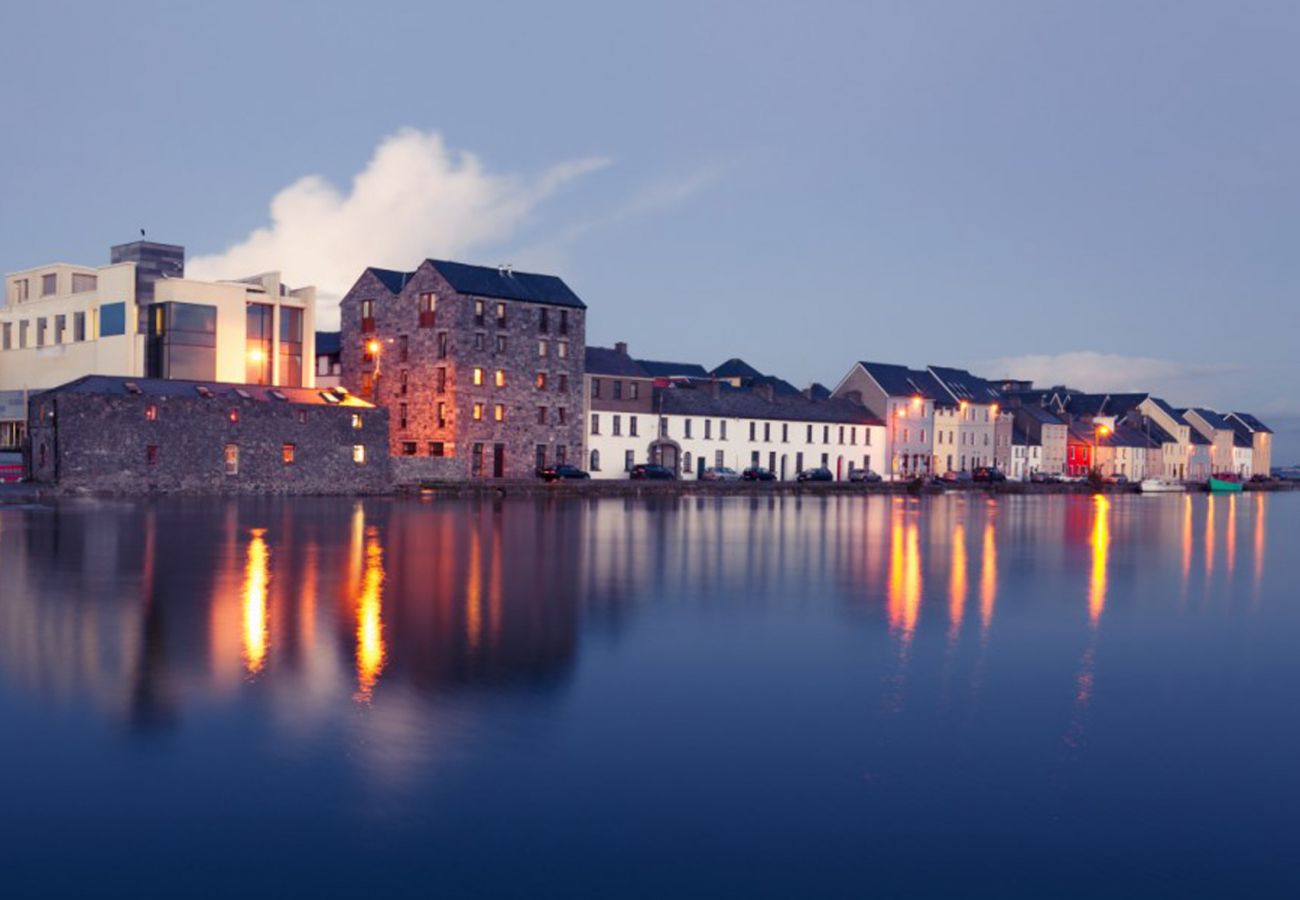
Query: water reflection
{"x": 957, "y": 582}
{"x": 255, "y": 619}
{"x": 1100, "y": 558}
{"x": 988, "y": 572}
{"x": 904, "y": 573}
{"x": 371, "y": 652}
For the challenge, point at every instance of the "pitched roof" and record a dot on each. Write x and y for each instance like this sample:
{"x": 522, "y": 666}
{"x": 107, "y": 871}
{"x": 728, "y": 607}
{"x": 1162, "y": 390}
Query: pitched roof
{"x": 123, "y": 386}
{"x": 610, "y": 361}
{"x": 819, "y": 391}
{"x": 328, "y": 342}
{"x": 490, "y": 281}
{"x": 661, "y": 369}
{"x": 900, "y": 381}
{"x": 1103, "y": 404}
{"x": 746, "y": 403}
{"x": 1241, "y": 440}
{"x": 1252, "y": 424}
{"x": 1198, "y": 438}
{"x": 736, "y": 368}
{"x": 1125, "y": 436}
{"x": 1213, "y": 419}
{"x": 965, "y": 386}
{"x": 1039, "y": 414}
{"x": 1169, "y": 410}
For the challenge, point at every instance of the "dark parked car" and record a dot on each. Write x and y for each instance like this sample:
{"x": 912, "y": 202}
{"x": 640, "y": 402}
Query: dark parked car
{"x": 652, "y": 472}
{"x": 1044, "y": 478}
{"x": 757, "y": 473}
{"x": 864, "y": 475}
{"x": 988, "y": 475}
{"x": 955, "y": 477}
{"x": 720, "y": 473}
{"x": 562, "y": 472}
{"x": 818, "y": 474}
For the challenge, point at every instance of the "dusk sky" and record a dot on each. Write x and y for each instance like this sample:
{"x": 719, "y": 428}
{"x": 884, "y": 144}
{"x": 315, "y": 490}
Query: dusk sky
{"x": 1103, "y": 194}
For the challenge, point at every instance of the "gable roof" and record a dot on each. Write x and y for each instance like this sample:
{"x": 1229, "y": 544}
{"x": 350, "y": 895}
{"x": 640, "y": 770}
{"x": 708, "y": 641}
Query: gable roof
{"x": 1169, "y": 410}
{"x": 610, "y": 361}
{"x": 661, "y": 369}
{"x": 1211, "y": 418}
{"x": 1038, "y": 414}
{"x": 1250, "y": 422}
{"x": 736, "y": 368}
{"x": 124, "y": 386}
{"x": 900, "y": 381}
{"x": 391, "y": 279}
{"x": 506, "y": 284}
{"x": 746, "y": 403}
{"x": 965, "y": 386}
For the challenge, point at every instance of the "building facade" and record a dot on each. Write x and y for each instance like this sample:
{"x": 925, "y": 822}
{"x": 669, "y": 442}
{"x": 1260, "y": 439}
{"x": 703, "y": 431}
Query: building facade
{"x": 121, "y": 434}
{"x": 904, "y": 400}
{"x": 481, "y": 368}
{"x": 1260, "y": 436}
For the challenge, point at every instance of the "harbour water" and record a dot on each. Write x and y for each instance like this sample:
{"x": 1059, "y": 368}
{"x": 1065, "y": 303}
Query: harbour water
{"x": 1043, "y": 696}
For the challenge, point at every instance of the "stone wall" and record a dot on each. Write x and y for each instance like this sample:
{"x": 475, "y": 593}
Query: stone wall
{"x": 103, "y": 442}
{"x": 405, "y": 372}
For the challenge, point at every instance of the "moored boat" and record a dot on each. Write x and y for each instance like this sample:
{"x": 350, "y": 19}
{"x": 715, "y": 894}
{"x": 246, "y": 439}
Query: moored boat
{"x": 1223, "y": 485}
{"x": 1160, "y": 486}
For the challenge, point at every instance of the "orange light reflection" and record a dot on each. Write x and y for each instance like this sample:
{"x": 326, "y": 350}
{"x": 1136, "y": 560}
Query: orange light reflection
{"x": 1100, "y": 558}
{"x": 957, "y": 581}
{"x": 371, "y": 651}
{"x": 256, "y": 577}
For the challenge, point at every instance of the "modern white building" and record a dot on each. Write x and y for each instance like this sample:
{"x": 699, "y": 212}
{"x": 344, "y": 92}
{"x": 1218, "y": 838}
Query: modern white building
{"x": 965, "y": 423}
{"x": 904, "y": 400}
{"x": 139, "y": 316}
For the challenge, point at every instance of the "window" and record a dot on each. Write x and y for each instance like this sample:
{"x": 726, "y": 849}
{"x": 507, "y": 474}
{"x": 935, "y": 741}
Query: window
{"x": 403, "y": 346}
{"x": 479, "y": 306}
{"x": 810, "y": 439}
{"x": 259, "y": 334}
{"x": 359, "y": 454}
{"x": 232, "y": 459}
{"x": 595, "y": 460}
{"x": 841, "y": 439}
{"x": 233, "y": 416}
{"x": 562, "y": 415}
{"x": 288, "y": 453}
{"x": 618, "y": 390}
{"x": 708, "y": 429}
{"x": 501, "y": 343}
{"x": 564, "y": 321}
{"x": 629, "y": 459}
{"x": 501, "y": 315}
{"x": 663, "y": 426}
{"x": 476, "y": 461}
{"x": 560, "y": 456}
{"x": 618, "y": 425}
{"x": 60, "y": 329}
{"x": 826, "y": 434}
{"x": 631, "y": 425}
{"x": 562, "y": 349}
{"x": 408, "y": 448}
{"x": 151, "y": 413}
{"x": 543, "y": 348}
{"x": 49, "y": 284}
{"x": 499, "y": 412}
{"x": 402, "y": 381}
{"x": 23, "y": 327}
{"x": 21, "y": 287}
{"x": 367, "y": 384}
{"x": 853, "y": 435}
{"x": 428, "y": 309}
{"x": 686, "y": 461}
{"x": 442, "y": 414}
{"x": 7, "y": 336}
{"x": 480, "y": 340}
{"x": 150, "y": 454}
{"x": 753, "y": 431}
{"x": 718, "y": 459}
{"x": 478, "y": 376}
{"x": 356, "y": 421}
{"x": 541, "y": 415}
{"x": 595, "y": 423}
{"x": 563, "y": 385}
{"x": 478, "y": 412}
{"x": 500, "y": 378}
{"x": 436, "y": 448}
{"x": 367, "y": 315}
{"x": 922, "y": 438}
{"x": 539, "y": 456}
{"x": 40, "y": 331}
{"x": 442, "y": 345}
{"x": 540, "y": 381}
{"x": 440, "y": 380}
{"x": 401, "y": 416}
{"x": 633, "y": 390}
{"x": 78, "y": 327}
{"x": 722, "y": 429}
{"x": 595, "y": 387}
{"x": 82, "y": 282}
{"x": 543, "y": 320}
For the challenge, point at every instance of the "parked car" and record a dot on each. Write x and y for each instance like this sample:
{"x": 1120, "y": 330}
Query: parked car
{"x": 757, "y": 473}
{"x": 1117, "y": 478}
{"x": 720, "y": 473}
{"x": 562, "y": 472}
{"x": 652, "y": 472}
{"x": 818, "y": 474}
{"x": 864, "y": 475}
{"x": 988, "y": 475}
{"x": 961, "y": 477}
{"x": 1044, "y": 478}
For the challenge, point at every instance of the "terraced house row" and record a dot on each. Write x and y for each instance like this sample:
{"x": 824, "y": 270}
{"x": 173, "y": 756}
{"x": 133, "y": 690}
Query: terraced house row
{"x": 483, "y": 372}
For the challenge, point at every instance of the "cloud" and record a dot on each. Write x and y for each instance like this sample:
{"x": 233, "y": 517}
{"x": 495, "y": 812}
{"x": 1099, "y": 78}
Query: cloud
{"x": 1089, "y": 370}
{"x": 414, "y": 198}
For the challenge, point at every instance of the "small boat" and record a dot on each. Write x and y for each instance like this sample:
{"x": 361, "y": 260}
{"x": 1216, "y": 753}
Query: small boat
{"x": 1160, "y": 486}
{"x": 1223, "y": 485}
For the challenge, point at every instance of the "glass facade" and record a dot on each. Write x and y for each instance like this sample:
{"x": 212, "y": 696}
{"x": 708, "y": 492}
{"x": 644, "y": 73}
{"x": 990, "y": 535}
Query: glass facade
{"x": 290, "y": 346}
{"x": 181, "y": 341}
{"x": 260, "y": 339}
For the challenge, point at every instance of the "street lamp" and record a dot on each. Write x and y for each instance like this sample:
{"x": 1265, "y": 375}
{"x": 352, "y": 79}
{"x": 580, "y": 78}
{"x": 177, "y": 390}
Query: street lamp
{"x": 1099, "y": 432}
{"x": 375, "y": 349}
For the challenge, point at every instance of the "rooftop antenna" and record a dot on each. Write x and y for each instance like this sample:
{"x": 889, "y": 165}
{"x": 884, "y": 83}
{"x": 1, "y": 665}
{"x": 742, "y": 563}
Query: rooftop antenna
{"x": 141, "y": 232}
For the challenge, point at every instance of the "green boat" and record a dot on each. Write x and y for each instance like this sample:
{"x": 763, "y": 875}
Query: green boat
{"x": 1222, "y": 486}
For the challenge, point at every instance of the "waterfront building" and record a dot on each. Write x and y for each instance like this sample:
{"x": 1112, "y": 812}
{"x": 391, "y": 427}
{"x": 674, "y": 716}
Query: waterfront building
{"x": 117, "y": 433}
{"x": 1080, "y": 442}
{"x": 1026, "y": 456}
{"x": 904, "y": 399}
{"x": 140, "y": 317}
{"x": 619, "y": 417}
{"x": 480, "y": 367}
{"x": 1260, "y": 436}
{"x": 1200, "y": 459}
{"x": 329, "y": 361}
{"x": 1215, "y": 429}
{"x": 965, "y": 422}
{"x": 1045, "y": 431}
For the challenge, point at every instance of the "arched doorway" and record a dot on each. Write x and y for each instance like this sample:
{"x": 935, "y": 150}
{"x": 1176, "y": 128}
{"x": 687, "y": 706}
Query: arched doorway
{"x": 665, "y": 453}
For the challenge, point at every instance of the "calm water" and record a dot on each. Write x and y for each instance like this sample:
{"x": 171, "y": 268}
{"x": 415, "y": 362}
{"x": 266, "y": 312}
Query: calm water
{"x": 848, "y": 697}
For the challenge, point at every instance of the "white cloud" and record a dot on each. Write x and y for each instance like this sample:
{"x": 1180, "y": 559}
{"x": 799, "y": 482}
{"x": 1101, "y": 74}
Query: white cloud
{"x": 1089, "y": 370}
{"x": 414, "y": 198}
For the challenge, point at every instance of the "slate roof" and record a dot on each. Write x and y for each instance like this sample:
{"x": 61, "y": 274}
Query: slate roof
{"x": 1118, "y": 405}
{"x": 117, "y": 386}
{"x": 490, "y": 281}
{"x": 1125, "y": 436}
{"x": 1213, "y": 419}
{"x": 779, "y": 385}
{"x": 1040, "y": 414}
{"x": 1198, "y": 438}
{"x": 609, "y": 361}
{"x": 900, "y": 381}
{"x": 328, "y": 342}
{"x": 661, "y": 369}
{"x": 1157, "y": 434}
{"x": 1252, "y": 424}
{"x": 965, "y": 386}
{"x": 1169, "y": 411}
{"x": 1022, "y": 438}
{"x": 736, "y": 368}
{"x": 745, "y": 403}
{"x": 819, "y": 391}
{"x": 1242, "y": 440}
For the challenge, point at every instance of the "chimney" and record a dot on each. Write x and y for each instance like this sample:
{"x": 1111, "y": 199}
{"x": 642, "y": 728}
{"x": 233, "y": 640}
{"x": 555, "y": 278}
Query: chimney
{"x": 621, "y": 347}
{"x": 808, "y": 393}
{"x": 715, "y": 389}
{"x": 766, "y": 391}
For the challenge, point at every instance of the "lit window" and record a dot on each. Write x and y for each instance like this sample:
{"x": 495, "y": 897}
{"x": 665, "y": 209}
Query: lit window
{"x": 499, "y": 412}
{"x": 356, "y": 421}
{"x": 501, "y": 378}
{"x": 562, "y": 349}
{"x": 543, "y": 348}
{"x": 359, "y": 454}
{"x": 287, "y": 453}
{"x": 541, "y": 381}
{"x": 478, "y": 412}
{"x": 233, "y": 415}
{"x": 232, "y": 459}
{"x": 151, "y": 413}
{"x": 478, "y": 376}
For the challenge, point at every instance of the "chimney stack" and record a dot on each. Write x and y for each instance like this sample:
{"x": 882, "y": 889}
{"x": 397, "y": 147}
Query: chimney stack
{"x": 766, "y": 391}
{"x": 621, "y": 347}
{"x": 715, "y": 389}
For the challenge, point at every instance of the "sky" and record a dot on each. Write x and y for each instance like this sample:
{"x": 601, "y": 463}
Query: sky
{"x": 1102, "y": 194}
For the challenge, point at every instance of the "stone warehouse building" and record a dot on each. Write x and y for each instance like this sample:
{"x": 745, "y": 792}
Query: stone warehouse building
{"x": 480, "y": 368}
{"x": 116, "y": 433}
